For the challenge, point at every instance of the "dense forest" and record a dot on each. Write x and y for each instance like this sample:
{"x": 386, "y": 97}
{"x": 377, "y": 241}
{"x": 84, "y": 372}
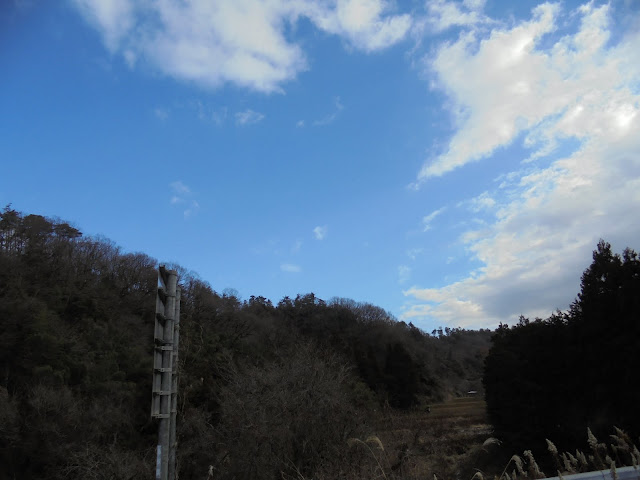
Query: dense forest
{"x": 266, "y": 391}
{"x": 556, "y": 377}
{"x": 281, "y": 390}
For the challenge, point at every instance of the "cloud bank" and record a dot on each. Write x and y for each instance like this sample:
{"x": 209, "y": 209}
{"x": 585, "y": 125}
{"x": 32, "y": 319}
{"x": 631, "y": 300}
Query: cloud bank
{"x": 545, "y": 217}
{"x": 241, "y": 42}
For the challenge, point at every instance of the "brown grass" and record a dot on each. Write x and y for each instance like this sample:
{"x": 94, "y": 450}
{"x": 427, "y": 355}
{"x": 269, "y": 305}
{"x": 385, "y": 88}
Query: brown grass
{"x": 419, "y": 445}
{"x": 454, "y": 442}
{"x": 619, "y": 452}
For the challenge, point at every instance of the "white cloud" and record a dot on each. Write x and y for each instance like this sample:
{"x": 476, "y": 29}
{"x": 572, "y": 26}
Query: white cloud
{"x": 427, "y": 219}
{"x": 361, "y": 22}
{"x": 182, "y": 195}
{"x": 444, "y": 14}
{"x": 244, "y": 42}
{"x": 484, "y": 201}
{"x": 320, "y": 232}
{"x": 161, "y": 113}
{"x": 300, "y": 123}
{"x": 327, "y": 119}
{"x": 180, "y": 188}
{"x": 290, "y": 268}
{"x": 218, "y": 116}
{"x": 248, "y": 117}
{"x": 297, "y": 246}
{"x": 114, "y": 19}
{"x": 193, "y": 208}
{"x": 500, "y": 86}
{"x": 205, "y": 111}
{"x": 404, "y": 273}
{"x": 549, "y": 215}
{"x": 130, "y": 58}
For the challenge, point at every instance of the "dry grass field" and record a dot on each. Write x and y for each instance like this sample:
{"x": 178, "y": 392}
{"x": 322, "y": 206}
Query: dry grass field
{"x": 454, "y": 442}
{"x": 448, "y": 442}
{"x": 471, "y": 408}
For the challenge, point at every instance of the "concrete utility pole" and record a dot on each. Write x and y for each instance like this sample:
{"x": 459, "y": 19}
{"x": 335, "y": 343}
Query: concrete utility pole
{"x": 173, "y": 443}
{"x": 164, "y": 400}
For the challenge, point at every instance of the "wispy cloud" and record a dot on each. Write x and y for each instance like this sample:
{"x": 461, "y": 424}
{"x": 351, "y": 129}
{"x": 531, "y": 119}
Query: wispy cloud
{"x": 297, "y": 246}
{"x": 320, "y": 232}
{"x": 199, "y": 42}
{"x": 413, "y": 253}
{"x": 427, "y": 219}
{"x": 443, "y": 14}
{"x": 203, "y": 110}
{"x": 193, "y": 208}
{"x": 182, "y": 195}
{"x": 161, "y": 113}
{"x": 113, "y": 19}
{"x": 484, "y": 201}
{"x": 248, "y": 117}
{"x": 290, "y": 268}
{"x": 180, "y": 188}
{"x": 362, "y": 22}
{"x": 404, "y": 273}
{"x": 548, "y": 215}
{"x": 327, "y": 119}
{"x": 219, "y": 116}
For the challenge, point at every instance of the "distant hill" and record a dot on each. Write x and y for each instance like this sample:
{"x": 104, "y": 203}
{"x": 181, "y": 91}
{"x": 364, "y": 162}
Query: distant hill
{"x": 258, "y": 381}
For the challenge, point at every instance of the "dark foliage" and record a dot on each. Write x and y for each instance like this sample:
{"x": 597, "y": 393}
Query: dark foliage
{"x": 287, "y": 383}
{"x": 400, "y": 363}
{"x": 75, "y": 373}
{"x": 554, "y": 378}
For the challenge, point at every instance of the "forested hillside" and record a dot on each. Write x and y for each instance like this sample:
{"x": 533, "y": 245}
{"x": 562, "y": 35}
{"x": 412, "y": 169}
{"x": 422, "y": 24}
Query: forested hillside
{"x": 266, "y": 391}
{"x": 555, "y": 378}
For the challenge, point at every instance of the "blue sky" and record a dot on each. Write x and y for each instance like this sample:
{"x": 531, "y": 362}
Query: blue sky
{"x": 452, "y": 162}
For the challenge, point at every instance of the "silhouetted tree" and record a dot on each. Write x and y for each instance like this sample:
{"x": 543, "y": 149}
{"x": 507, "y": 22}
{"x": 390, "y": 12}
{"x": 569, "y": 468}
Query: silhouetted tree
{"x": 552, "y": 378}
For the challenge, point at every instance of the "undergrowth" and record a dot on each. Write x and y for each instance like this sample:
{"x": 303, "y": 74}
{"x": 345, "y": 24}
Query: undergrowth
{"x": 372, "y": 461}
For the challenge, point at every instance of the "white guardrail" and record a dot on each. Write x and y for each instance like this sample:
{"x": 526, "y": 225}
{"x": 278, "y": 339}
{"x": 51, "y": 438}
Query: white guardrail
{"x": 624, "y": 473}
